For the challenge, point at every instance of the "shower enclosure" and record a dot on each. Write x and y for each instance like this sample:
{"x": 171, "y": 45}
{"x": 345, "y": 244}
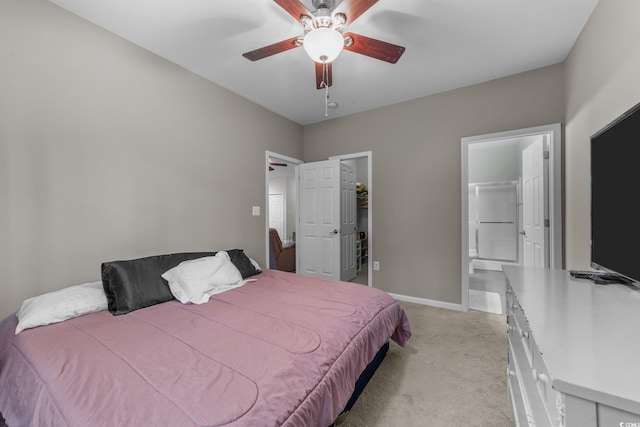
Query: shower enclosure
{"x": 493, "y": 221}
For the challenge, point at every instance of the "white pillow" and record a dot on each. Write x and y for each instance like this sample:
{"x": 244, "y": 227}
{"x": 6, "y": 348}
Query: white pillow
{"x": 57, "y": 306}
{"x": 196, "y": 280}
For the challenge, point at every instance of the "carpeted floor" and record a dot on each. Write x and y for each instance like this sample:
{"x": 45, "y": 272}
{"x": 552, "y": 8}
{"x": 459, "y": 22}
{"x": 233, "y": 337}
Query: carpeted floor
{"x": 451, "y": 373}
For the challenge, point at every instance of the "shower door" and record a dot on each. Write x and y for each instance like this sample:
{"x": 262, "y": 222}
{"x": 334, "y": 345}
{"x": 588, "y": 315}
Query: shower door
{"x": 497, "y": 221}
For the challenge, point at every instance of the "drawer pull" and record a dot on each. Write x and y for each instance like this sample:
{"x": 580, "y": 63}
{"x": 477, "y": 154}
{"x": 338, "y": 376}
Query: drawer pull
{"x": 539, "y": 376}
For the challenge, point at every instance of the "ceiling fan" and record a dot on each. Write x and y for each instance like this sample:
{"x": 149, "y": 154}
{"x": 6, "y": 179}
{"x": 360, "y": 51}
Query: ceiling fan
{"x": 272, "y": 164}
{"x": 323, "y": 39}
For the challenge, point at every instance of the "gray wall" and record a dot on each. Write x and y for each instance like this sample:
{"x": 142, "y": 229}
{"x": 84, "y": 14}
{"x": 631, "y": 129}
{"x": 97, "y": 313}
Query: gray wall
{"x": 109, "y": 152}
{"x": 602, "y": 75}
{"x": 416, "y": 170}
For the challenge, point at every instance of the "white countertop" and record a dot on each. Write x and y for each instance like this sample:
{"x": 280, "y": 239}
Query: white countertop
{"x": 588, "y": 334}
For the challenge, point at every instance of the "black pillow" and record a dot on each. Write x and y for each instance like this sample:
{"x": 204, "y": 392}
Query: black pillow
{"x": 242, "y": 263}
{"x": 133, "y": 284}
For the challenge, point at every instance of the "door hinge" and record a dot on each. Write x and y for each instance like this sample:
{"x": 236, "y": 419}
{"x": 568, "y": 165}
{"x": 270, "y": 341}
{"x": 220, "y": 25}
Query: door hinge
{"x": 546, "y": 154}
{"x": 547, "y": 224}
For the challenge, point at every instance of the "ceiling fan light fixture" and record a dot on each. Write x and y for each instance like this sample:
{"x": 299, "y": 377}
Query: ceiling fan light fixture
{"x": 323, "y": 44}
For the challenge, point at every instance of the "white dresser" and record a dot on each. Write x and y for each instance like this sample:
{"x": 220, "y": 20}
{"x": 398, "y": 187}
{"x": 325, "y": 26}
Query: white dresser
{"x": 574, "y": 350}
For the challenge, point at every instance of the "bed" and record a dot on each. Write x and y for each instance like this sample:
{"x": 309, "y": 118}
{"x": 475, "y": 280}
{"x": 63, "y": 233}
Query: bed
{"x": 281, "y": 349}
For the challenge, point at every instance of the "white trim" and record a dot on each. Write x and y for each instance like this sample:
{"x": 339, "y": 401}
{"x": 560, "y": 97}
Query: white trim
{"x": 430, "y": 302}
{"x": 282, "y": 157}
{"x": 464, "y": 222}
{"x": 287, "y": 159}
{"x": 555, "y": 196}
{"x": 352, "y": 155}
{"x": 368, "y": 155}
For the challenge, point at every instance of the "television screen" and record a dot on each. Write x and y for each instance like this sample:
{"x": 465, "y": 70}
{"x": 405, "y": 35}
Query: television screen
{"x": 615, "y": 219}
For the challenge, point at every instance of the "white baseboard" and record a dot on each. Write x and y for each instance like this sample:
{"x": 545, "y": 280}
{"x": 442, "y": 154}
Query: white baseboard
{"x": 430, "y": 302}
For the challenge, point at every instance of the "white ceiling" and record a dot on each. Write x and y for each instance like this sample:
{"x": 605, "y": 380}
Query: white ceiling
{"x": 449, "y": 44}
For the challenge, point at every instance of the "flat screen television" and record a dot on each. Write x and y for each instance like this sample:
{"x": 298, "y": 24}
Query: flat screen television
{"x": 615, "y": 218}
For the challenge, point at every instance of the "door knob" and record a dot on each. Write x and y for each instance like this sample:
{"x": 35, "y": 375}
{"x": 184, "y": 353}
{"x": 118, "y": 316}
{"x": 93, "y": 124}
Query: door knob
{"x": 524, "y": 233}
{"x": 335, "y": 231}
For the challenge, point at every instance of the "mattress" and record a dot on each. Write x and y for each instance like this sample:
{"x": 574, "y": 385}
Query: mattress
{"x": 283, "y": 350}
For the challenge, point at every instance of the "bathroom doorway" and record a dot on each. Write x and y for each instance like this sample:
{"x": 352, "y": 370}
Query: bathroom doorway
{"x": 498, "y": 202}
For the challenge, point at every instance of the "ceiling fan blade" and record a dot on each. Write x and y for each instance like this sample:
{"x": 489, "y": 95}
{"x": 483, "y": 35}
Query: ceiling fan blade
{"x": 355, "y": 8}
{"x": 272, "y": 49}
{"x": 321, "y": 79}
{"x": 374, "y": 48}
{"x": 294, "y": 8}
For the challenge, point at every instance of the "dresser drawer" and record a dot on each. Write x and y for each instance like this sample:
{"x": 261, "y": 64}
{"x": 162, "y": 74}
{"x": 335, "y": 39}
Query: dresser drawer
{"x": 521, "y": 331}
{"x": 543, "y": 380}
{"x": 517, "y": 410}
{"x": 528, "y": 409}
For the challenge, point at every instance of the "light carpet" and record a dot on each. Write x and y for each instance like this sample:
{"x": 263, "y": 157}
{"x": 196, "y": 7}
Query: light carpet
{"x": 452, "y": 372}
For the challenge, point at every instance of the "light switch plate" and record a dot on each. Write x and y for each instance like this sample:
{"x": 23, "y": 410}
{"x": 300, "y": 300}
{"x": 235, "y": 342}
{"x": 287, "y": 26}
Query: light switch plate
{"x": 256, "y": 211}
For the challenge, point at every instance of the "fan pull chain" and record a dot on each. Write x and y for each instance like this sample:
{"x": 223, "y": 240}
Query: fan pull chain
{"x": 326, "y": 101}
{"x": 325, "y": 77}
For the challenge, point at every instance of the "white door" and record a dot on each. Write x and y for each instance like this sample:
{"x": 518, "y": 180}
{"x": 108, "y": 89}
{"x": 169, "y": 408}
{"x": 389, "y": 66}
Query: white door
{"x": 348, "y": 222}
{"x": 327, "y": 238}
{"x": 319, "y": 235}
{"x": 534, "y": 189}
{"x": 276, "y": 213}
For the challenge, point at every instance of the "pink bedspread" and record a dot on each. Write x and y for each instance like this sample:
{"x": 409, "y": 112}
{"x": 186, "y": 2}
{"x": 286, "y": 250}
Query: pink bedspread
{"x": 284, "y": 350}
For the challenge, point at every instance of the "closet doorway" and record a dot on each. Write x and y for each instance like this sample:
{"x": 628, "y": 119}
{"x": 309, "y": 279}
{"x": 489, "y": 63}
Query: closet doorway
{"x": 511, "y": 211}
{"x": 363, "y": 164}
{"x": 276, "y": 169}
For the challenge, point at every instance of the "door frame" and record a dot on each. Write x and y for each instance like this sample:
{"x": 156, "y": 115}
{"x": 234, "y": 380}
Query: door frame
{"x": 295, "y": 162}
{"x": 368, "y": 155}
{"x": 555, "y": 195}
